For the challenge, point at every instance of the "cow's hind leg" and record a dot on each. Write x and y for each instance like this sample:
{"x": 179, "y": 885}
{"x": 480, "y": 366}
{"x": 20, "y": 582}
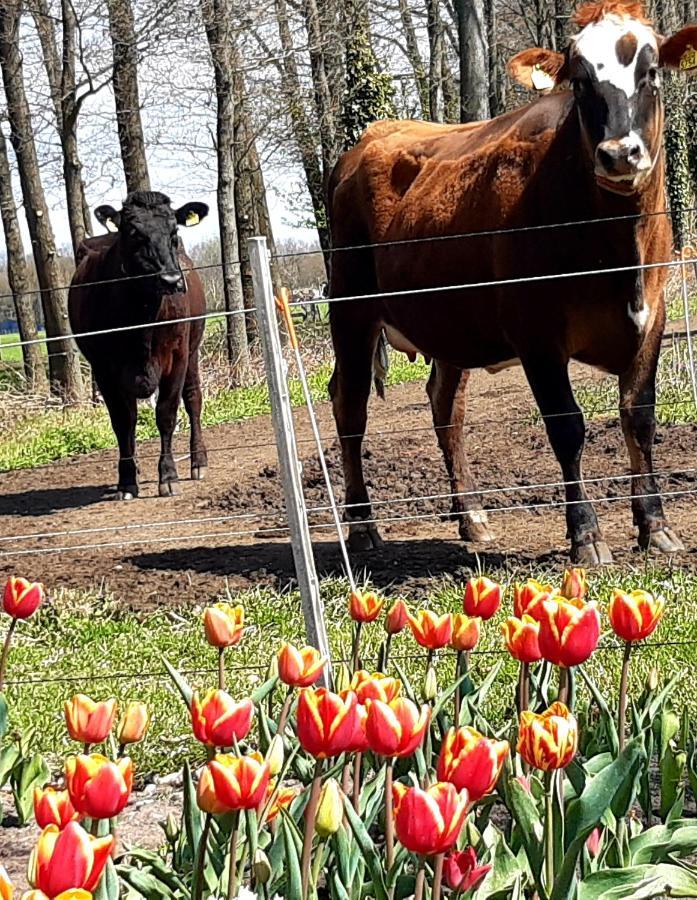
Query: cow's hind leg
{"x": 447, "y": 388}
{"x": 170, "y": 394}
{"x": 549, "y": 380}
{"x": 638, "y": 416}
{"x": 123, "y": 412}
{"x": 192, "y": 403}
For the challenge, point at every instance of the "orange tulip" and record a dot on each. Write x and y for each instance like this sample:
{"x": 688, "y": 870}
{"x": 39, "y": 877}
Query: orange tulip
{"x": 206, "y": 797}
{"x": 284, "y": 799}
{"x": 471, "y": 761}
{"x": 68, "y": 861}
{"x": 569, "y": 630}
{"x": 529, "y": 597}
{"x": 72, "y": 894}
{"x": 89, "y": 722}
{"x": 397, "y": 617}
{"x": 634, "y": 616}
{"x": 466, "y": 633}
{"x": 98, "y": 788}
{"x": 21, "y": 598}
{"x": 482, "y": 598}
{"x": 6, "y": 889}
{"x": 431, "y": 630}
{"x": 364, "y": 607}
{"x": 218, "y": 721}
{"x": 53, "y": 807}
{"x": 429, "y": 822}
{"x": 574, "y": 584}
{"x": 396, "y": 729}
{"x": 521, "y": 637}
{"x": 223, "y": 624}
{"x": 240, "y": 782}
{"x": 327, "y": 724}
{"x": 548, "y": 741}
{"x": 134, "y": 723}
{"x": 375, "y": 687}
{"x": 300, "y": 668}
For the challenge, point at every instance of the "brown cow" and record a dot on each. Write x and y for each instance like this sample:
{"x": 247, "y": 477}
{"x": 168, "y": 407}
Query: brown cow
{"x": 591, "y": 152}
{"x": 149, "y": 279}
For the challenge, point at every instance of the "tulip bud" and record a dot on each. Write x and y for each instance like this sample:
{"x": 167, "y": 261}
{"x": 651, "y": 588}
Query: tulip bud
{"x": 574, "y": 584}
{"x": 330, "y": 811}
{"x": 272, "y": 671}
{"x": 594, "y": 842}
{"x": 652, "y": 679}
{"x": 397, "y": 617}
{"x": 134, "y": 723}
{"x": 171, "y": 828}
{"x": 430, "y": 685}
{"x": 262, "y": 867}
{"x": 275, "y": 755}
{"x": 342, "y": 679}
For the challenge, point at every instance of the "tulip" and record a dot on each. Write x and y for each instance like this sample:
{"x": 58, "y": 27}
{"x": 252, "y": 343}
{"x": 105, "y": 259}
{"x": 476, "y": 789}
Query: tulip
{"x": 330, "y": 811}
{"x": 21, "y": 598}
{"x": 430, "y": 630}
{"x": 53, "y": 807}
{"x": 375, "y": 687}
{"x": 548, "y": 741}
{"x": 240, "y": 782}
{"x": 68, "y": 861}
{"x": 275, "y": 755}
{"x": 430, "y": 689}
{"x": 465, "y": 634}
{"x": 574, "y": 584}
{"x": 262, "y": 867}
{"x": 461, "y": 871}
{"x": 6, "y": 889}
{"x": 359, "y": 741}
{"x": 283, "y": 800}
{"x": 634, "y": 616}
{"x": 171, "y": 828}
{"x": 223, "y": 624}
{"x": 98, "y": 788}
{"x": 364, "y": 607}
{"x": 396, "y": 729}
{"x": 569, "y": 631}
{"x": 471, "y": 761}
{"x": 594, "y": 842}
{"x": 482, "y": 598}
{"x": 521, "y": 637}
{"x": 218, "y": 721}
{"x": 429, "y": 822}
{"x": 89, "y": 722}
{"x": 72, "y": 894}
{"x": 397, "y": 617}
{"x": 300, "y": 668}
{"x": 326, "y": 723}
{"x": 134, "y": 723}
{"x": 528, "y": 598}
{"x": 206, "y": 797}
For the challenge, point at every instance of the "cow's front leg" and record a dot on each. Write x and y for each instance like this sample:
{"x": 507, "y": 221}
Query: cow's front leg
{"x": 123, "y": 412}
{"x": 638, "y": 417}
{"x": 549, "y": 380}
{"x": 170, "y": 394}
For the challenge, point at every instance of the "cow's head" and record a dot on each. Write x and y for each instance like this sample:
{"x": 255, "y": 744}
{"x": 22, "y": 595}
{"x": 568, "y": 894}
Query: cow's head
{"x": 614, "y": 67}
{"x": 148, "y": 238}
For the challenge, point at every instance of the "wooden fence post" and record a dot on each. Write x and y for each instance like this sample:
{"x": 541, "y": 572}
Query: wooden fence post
{"x": 289, "y": 463}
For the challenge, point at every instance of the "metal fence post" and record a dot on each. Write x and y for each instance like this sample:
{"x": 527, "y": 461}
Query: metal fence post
{"x": 290, "y": 468}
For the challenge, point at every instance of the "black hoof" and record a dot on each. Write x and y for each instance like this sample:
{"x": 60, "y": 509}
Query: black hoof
{"x": 168, "y": 488}
{"x": 589, "y": 555}
{"x": 364, "y": 537}
{"x": 663, "y": 539}
{"x": 198, "y": 473}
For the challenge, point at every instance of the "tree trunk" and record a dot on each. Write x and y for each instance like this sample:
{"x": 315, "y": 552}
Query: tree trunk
{"x": 64, "y": 365}
{"x": 217, "y": 17}
{"x": 130, "y": 127}
{"x": 326, "y": 110}
{"x": 474, "y": 60}
{"x": 18, "y": 276}
{"x": 435, "y": 64}
{"x": 414, "y": 56}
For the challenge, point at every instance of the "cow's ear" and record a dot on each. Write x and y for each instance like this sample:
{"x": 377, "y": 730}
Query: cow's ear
{"x": 108, "y": 217}
{"x": 191, "y": 214}
{"x": 680, "y": 50}
{"x": 537, "y": 69}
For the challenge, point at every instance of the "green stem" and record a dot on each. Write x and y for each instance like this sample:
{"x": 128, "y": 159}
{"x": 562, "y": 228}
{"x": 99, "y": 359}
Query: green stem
{"x": 624, "y": 678}
{"x": 386, "y": 647}
{"x": 201, "y": 851}
{"x": 563, "y": 685}
{"x": 389, "y": 814}
{"x": 317, "y": 864}
{"x": 437, "y": 877}
{"x": 221, "y": 668}
{"x": 232, "y": 869}
{"x": 5, "y": 652}
{"x": 94, "y": 827}
{"x": 357, "y": 763}
{"x": 420, "y": 879}
{"x": 458, "y": 692}
{"x": 283, "y": 718}
{"x": 549, "y": 832}
{"x": 310, "y": 816}
{"x": 355, "y": 656}
{"x": 253, "y": 837}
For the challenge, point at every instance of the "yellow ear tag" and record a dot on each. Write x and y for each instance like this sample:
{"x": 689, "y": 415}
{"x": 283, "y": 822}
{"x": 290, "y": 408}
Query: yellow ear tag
{"x": 110, "y": 226}
{"x": 541, "y": 80}
{"x": 689, "y": 59}
{"x": 192, "y": 218}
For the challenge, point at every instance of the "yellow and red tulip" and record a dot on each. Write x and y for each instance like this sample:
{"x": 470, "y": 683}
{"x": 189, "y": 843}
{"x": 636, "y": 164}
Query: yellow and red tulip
{"x": 68, "y": 861}
{"x": 6, "y": 889}
{"x": 635, "y": 615}
{"x": 98, "y": 787}
{"x": 569, "y": 630}
{"x": 574, "y": 584}
{"x": 284, "y": 799}
{"x": 206, "y": 797}
{"x": 327, "y": 724}
{"x": 21, "y": 598}
{"x": 431, "y": 630}
{"x": 549, "y": 740}
{"x": 218, "y": 721}
{"x": 521, "y": 637}
{"x": 134, "y": 723}
{"x": 240, "y": 782}
{"x": 466, "y": 633}
{"x": 461, "y": 872}
{"x": 52, "y": 806}
{"x": 529, "y": 597}
{"x": 429, "y": 822}
{"x": 397, "y": 617}
{"x": 330, "y": 811}
{"x": 223, "y": 624}
{"x": 300, "y": 668}
{"x": 375, "y": 687}
{"x": 365, "y": 607}
{"x": 482, "y": 598}
{"x": 396, "y": 729}
{"x": 89, "y": 722}
{"x": 471, "y": 761}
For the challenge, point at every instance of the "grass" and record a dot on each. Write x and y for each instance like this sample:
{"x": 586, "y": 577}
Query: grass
{"x": 77, "y": 641}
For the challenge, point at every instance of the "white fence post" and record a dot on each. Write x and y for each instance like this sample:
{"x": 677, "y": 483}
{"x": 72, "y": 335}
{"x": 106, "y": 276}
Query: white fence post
{"x": 289, "y": 463}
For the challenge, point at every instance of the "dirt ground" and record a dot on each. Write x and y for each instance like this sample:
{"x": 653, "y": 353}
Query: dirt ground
{"x": 60, "y": 525}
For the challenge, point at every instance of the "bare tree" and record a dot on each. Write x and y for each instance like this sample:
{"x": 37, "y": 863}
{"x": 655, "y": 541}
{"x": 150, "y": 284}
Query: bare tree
{"x": 474, "y": 60}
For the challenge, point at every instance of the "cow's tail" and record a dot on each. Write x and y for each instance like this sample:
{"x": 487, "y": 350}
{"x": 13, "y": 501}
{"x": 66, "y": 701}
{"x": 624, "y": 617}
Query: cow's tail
{"x": 381, "y": 364}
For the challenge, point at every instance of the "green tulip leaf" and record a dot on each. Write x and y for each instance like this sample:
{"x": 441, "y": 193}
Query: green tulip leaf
{"x": 144, "y": 883}
{"x": 524, "y": 811}
{"x": 180, "y": 683}
{"x": 293, "y": 873}
{"x": 663, "y": 842}
{"x": 638, "y": 883}
{"x": 191, "y": 812}
{"x": 372, "y": 859}
{"x": 263, "y": 691}
{"x": 673, "y": 766}
{"x": 4, "y": 716}
{"x": 606, "y": 716}
{"x": 28, "y": 774}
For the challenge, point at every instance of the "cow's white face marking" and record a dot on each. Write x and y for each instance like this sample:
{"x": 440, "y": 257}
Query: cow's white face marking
{"x": 597, "y": 45}
{"x": 639, "y": 316}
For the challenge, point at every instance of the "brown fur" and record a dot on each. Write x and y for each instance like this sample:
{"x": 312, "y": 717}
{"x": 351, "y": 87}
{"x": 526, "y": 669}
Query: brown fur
{"x": 595, "y": 12}
{"x": 625, "y": 49}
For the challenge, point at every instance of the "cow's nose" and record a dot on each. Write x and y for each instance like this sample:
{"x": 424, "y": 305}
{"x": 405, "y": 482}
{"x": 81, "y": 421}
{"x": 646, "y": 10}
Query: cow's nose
{"x": 619, "y": 157}
{"x": 171, "y": 277}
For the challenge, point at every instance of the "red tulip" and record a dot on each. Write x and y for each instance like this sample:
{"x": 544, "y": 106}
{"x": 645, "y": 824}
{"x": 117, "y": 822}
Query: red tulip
{"x": 429, "y": 822}
{"x": 206, "y": 797}
{"x": 375, "y": 687}
{"x": 240, "y": 782}
{"x": 461, "y": 871}
{"x": 397, "y": 617}
{"x": 569, "y": 631}
{"x": 521, "y": 637}
{"x": 89, "y": 722}
{"x": 482, "y": 598}
{"x": 218, "y": 721}
{"x": 396, "y": 729}
{"x": 98, "y": 788}
{"x": 634, "y": 616}
{"x": 68, "y": 861}
{"x": 529, "y": 597}
{"x": 466, "y": 633}
{"x": 223, "y": 624}
{"x": 53, "y": 807}
{"x": 471, "y": 761}
{"x": 300, "y": 668}
{"x": 364, "y": 607}
{"x": 431, "y": 630}
{"x": 21, "y": 598}
{"x": 574, "y": 584}
{"x": 359, "y": 741}
{"x": 327, "y": 724}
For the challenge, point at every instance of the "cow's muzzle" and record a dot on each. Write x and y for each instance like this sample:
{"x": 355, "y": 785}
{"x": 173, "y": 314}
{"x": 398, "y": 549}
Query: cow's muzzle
{"x": 621, "y": 165}
{"x": 172, "y": 282}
